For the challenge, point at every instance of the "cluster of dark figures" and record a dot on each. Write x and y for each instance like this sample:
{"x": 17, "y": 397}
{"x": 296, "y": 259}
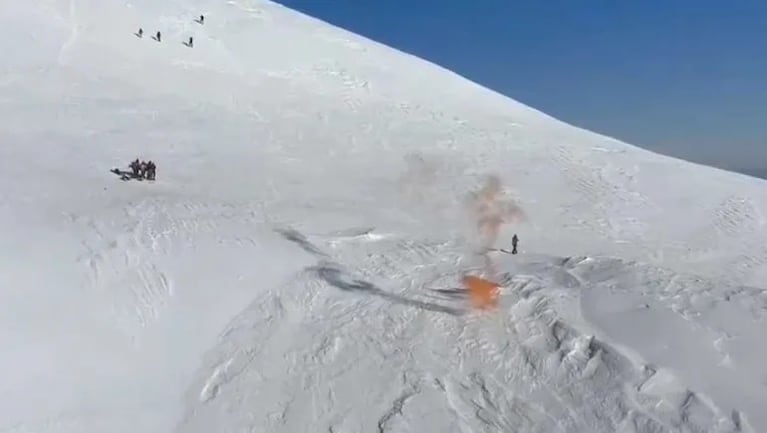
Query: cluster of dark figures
{"x": 158, "y": 35}
{"x": 143, "y": 170}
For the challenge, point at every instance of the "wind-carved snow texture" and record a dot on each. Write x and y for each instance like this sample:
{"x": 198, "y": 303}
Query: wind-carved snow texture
{"x": 121, "y": 265}
{"x": 522, "y": 370}
{"x": 127, "y": 268}
{"x": 297, "y": 264}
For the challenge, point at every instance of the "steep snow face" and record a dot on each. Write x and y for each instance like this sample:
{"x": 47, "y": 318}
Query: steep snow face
{"x": 296, "y": 264}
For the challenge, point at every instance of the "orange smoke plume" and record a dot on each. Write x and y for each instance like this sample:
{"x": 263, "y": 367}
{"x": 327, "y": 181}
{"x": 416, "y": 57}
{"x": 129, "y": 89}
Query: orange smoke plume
{"x": 483, "y": 293}
{"x": 492, "y": 211}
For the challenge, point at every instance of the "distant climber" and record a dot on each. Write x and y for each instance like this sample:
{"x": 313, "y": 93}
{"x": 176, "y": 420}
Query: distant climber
{"x": 134, "y": 166}
{"x": 158, "y": 36}
{"x": 189, "y": 43}
{"x": 514, "y": 242}
{"x": 201, "y": 20}
{"x": 140, "y": 32}
{"x": 151, "y": 170}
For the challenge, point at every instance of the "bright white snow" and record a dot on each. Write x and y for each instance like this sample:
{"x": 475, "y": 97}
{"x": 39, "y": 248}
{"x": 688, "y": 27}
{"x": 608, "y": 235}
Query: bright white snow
{"x": 296, "y": 266}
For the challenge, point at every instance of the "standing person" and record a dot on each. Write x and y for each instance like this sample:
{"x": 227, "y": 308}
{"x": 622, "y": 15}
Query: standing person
{"x": 134, "y": 166}
{"x": 140, "y": 32}
{"x": 514, "y": 242}
{"x": 158, "y": 36}
{"x": 150, "y": 170}
{"x": 202, "y": 19}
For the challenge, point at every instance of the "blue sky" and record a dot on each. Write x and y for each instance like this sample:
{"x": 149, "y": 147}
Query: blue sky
{"x": 686, "y": 78}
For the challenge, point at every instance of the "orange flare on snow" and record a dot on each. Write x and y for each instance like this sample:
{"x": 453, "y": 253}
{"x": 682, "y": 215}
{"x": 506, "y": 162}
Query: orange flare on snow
{"x": 483, "y": 293}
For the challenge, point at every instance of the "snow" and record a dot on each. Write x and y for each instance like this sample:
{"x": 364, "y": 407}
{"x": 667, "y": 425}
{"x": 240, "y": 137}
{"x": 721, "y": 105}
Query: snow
{"x": 297, "y": 264}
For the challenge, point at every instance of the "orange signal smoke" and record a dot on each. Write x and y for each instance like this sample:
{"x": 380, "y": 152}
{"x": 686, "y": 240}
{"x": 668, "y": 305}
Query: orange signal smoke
{"x": 492, "y": 211}
{"x": 483, "y": 293}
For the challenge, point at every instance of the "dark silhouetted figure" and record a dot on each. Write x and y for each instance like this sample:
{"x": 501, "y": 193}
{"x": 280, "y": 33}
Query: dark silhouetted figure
{"x": 158, "y": 36}
{"x": 151, "y": 170}
{"x": 135, "y": 166}
{"x": 189, "y": 43}
{"x": 514, "y": 242}
{"x": 140, "y": 32}
{"x": 201, "y": 20}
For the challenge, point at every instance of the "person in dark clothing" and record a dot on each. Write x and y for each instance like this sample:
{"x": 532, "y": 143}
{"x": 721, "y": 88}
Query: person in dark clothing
{"x": 514, "y": 242}
{"x": 140, "y": 32}
{"x": 151, "y": 170}
{"x": 134, "y": 166}
{"x": 158, "y": 36}
{"x": 202, "y": 19}
{"x": 190, "y": 44}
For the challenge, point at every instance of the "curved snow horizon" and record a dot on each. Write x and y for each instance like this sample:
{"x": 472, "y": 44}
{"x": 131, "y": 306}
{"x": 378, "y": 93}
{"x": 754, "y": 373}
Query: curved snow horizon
{"x": 297, "y": 264}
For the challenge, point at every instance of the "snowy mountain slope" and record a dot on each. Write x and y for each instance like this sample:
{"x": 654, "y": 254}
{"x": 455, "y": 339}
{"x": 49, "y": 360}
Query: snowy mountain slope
{"x": 417, "y": 359}
{"x": 295, "y": 158}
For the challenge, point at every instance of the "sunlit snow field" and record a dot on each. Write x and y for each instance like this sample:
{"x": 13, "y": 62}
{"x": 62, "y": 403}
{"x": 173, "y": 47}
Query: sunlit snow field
{"x": 297, "y": 264}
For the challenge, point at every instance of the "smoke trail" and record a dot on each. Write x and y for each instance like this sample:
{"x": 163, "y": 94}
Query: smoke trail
{"x": 491, "y": 210}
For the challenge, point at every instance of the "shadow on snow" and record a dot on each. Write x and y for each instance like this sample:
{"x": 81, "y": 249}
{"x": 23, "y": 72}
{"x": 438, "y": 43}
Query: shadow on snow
{"x": 333, "y": 275}
{"x": 337, "y": 278}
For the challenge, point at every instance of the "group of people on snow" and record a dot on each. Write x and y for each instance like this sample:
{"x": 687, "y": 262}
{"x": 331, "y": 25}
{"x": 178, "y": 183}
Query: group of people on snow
{"x": 143, "y": 169}
{"x": 158, "y": 35}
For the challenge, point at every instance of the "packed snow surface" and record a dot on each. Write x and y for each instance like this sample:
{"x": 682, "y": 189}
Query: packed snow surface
{"x": 297, "y": 264}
